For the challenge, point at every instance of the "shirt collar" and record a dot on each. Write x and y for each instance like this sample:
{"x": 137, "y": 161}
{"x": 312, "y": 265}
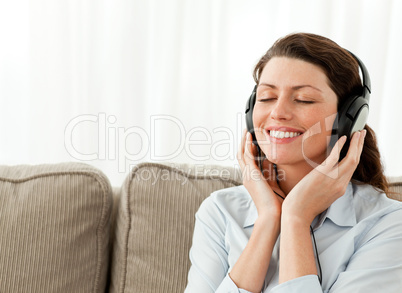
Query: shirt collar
{"x": 341, "y": 212}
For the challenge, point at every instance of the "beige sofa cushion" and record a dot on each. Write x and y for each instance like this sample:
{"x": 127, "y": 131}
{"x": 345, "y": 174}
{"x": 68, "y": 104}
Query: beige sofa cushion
{"x": 395, "y": 187}
{"x": 155, "y": 222}
{"x": 54, "y": 223}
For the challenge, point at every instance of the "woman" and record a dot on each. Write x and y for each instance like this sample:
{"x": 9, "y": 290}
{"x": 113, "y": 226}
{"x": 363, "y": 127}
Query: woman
{"x": 322, "y": 221}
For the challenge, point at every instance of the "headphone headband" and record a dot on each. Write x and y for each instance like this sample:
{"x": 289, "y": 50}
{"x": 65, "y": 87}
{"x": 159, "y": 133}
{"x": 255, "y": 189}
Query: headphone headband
{"x": 365, "y": 77}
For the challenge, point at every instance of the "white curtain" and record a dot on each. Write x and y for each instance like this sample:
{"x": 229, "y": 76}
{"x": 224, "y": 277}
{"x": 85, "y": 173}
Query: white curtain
{"x": 117, "y": 82}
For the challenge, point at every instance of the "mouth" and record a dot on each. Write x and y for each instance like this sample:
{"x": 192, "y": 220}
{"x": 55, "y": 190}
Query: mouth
{"x": 283, "y": 135}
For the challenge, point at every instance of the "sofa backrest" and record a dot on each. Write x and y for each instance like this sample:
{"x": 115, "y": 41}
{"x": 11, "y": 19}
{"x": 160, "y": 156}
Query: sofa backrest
{"x": 155, "y": 221}
{"x": 54, "y": 223}
{"x": 395, "y": 187}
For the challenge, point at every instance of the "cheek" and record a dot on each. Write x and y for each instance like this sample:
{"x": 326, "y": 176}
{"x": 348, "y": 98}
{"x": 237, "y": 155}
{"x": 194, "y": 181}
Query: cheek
{"x": 260, "y": 116}
{"x": 320, "y": 121}
{"x": 317, "y": 137}
{"x": 319, "y": 124}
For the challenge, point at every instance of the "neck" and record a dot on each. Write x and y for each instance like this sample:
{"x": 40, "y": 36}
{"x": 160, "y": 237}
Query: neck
{"x": 290, "y": 175}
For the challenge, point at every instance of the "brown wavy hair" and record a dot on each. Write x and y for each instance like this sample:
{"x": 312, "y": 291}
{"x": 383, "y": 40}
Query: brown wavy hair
{"x": 342, "y": 71}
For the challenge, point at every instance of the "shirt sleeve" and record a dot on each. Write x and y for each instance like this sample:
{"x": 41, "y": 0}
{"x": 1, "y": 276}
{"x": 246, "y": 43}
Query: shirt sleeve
{"x": 208, "y": 254}
{"x": 309, "y": 283}
{"x": 376, "y": 264}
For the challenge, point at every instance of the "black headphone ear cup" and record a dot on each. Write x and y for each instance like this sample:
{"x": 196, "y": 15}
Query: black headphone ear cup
{"x": 358, "y": 111}
{"x": 250, "y": 125}
{"x": 249, "y": 114}
{"x": 352, "y": 117}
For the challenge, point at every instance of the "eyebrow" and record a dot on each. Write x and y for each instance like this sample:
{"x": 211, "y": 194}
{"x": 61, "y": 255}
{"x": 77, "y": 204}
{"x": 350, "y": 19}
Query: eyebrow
{"x": 297, "y": 87}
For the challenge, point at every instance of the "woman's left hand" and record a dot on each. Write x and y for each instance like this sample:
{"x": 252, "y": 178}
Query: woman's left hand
{"x": 325, "y": 183}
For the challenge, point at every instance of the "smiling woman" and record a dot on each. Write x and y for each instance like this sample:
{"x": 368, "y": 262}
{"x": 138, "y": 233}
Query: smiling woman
{"x": 325, "y": 224}
{"x": 292, "y": 101}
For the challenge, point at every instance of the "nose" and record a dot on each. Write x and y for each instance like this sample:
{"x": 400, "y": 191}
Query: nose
{"x": 282, "y": 109}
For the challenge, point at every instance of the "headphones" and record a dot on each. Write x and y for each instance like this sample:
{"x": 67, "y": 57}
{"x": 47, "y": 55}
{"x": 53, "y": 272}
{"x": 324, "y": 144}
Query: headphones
{"x": 351, "y": 117}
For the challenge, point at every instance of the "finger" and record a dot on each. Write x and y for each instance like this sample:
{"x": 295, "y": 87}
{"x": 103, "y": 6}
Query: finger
{"x": 240, "y": 153}
{"x": 250, "y": 168}
{"x": 352, "y": 158}
{"x": 243, "y": 141}
{"x": 353, "y": 153}
{"x": 240, "y": 160}
{"x": 251, "y": 150}
{"x": 332, "y": 160}
{"x": 362, "y": 139}
{"x": 360, "y": 145}
{"x": 270, "y": 176}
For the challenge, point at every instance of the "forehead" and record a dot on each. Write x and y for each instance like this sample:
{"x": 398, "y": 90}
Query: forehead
{"x": 285, "y": 71}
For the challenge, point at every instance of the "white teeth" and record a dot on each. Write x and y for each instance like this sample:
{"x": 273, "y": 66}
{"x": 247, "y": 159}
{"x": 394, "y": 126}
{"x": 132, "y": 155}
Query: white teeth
{"x": 283, "y": 134}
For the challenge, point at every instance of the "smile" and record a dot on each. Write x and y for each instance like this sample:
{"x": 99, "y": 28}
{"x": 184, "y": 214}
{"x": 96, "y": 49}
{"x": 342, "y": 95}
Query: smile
{"x": 283, "y": 134}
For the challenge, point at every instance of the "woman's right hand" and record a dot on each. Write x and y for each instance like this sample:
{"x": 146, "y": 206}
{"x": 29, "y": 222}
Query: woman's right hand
{"x": 260, "y": 187}
{"x": 251, "y": 268}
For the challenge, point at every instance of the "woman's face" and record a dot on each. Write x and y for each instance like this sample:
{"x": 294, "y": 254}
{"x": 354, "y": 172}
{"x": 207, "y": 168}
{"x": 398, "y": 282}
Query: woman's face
{"x": 294, "y": 112}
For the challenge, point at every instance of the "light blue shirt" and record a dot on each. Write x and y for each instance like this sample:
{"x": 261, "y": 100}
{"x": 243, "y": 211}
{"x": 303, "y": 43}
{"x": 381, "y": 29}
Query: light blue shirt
{"x": 359, "y": 242}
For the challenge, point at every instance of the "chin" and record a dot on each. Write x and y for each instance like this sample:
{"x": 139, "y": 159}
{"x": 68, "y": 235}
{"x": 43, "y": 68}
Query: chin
{"x": 283, "y": 159}
{"x": 295, "y": 159}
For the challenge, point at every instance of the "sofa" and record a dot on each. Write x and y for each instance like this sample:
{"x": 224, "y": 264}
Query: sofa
{"x": 64, "y": 228}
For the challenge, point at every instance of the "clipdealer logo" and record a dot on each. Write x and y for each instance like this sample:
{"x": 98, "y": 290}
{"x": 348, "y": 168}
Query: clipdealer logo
{"x": 113, "y": 141}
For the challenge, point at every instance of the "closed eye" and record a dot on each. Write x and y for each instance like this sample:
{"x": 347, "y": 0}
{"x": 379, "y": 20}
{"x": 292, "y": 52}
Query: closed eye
{"x": 266, "y": 99}
{"x": 305, "y": 102}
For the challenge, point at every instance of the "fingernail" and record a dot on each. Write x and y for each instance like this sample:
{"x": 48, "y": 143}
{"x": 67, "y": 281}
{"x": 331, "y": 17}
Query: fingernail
{"x": 364, "y": 132}
{"x": 357, "y": 134}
